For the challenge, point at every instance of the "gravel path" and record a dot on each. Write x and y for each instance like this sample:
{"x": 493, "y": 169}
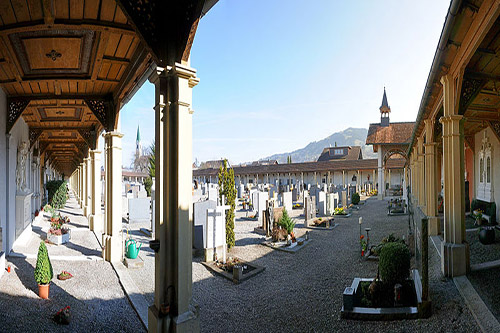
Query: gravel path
{"x": 97, "y": 301}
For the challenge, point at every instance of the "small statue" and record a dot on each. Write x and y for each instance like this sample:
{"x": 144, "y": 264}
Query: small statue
{"x": 22, "y": 155}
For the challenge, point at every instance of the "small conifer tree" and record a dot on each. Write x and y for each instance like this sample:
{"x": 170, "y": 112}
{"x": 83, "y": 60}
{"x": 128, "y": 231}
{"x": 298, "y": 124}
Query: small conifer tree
{"x": 43, "y": 269}
{"x": 227, "y": 190}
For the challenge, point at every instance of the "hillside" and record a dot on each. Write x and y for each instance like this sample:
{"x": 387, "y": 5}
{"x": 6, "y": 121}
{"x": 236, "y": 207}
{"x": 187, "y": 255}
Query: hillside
{"x": 311, "y": 152}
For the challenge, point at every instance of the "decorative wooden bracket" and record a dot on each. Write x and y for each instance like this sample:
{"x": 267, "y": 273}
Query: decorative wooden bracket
{"x": 104, "y": 111}
{"x": 90, "y": 137}
{"x": 16, "y": 107}
{"x": 469, "y": 139}
{"x": 470, "y": 89}
{"x": 495, "y": 126}
{"x": 34, "y": 135}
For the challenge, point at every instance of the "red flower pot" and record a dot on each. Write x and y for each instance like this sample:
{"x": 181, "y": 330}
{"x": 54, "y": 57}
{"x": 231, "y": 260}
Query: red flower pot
{"x": 43, "y": 291}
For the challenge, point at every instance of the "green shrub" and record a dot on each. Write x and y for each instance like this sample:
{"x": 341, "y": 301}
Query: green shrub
{"x": 355, "y": 199}
{"x": 394, "y": 263}
{"x": 43, "y": 269}
{"x": 286, "y": 222}
{"x": 57, "y": 193}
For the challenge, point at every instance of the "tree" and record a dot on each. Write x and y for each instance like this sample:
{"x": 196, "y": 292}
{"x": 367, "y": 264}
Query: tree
{"x": 148, "y": 183}
{"x": 289, "y": 159}
{"x": 140, "y": 163}
{"x": 227, "y": 190}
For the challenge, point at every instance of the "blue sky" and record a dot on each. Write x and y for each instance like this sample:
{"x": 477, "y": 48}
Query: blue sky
{"x": 276, "y": 75}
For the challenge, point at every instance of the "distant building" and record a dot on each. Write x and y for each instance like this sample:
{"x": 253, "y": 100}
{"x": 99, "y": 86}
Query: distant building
{"x": 341, "y": 153}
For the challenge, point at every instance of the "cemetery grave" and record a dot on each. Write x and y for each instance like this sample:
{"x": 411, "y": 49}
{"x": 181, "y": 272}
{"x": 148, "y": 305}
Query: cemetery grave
{"x": 396, "y": 292}
{"x": 396, "y": 207}
{"x": 341, "y": 212}
{"x": 322, "y": 223}
{"x": 283, "y": 237}
{"x": 234, "y": 269}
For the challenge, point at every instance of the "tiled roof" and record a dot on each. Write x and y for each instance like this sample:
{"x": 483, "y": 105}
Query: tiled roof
{"x": 336, "y": 165}
{"x": 395, "y": 133}
{"x": 353, "y": 153}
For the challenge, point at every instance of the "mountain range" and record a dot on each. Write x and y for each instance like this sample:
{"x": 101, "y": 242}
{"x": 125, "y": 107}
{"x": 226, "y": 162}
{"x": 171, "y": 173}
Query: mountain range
{"x": 311, "y": 152}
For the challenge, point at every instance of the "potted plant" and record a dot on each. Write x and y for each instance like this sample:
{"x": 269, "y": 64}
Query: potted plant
{"x": 57, "y": 234}
{"x": 43, "y": 271}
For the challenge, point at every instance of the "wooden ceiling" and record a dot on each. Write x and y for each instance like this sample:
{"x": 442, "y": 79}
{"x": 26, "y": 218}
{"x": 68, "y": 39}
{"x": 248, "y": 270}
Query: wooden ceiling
{"x": 65, "y": 65}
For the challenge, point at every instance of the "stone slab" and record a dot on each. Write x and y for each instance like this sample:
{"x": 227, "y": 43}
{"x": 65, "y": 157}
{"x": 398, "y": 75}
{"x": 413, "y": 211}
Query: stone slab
{"x": 200, "y": 222}
{"x": 214, "y": 268}
{"x": 134, "y": 263}
{"x": 281, "y": 246}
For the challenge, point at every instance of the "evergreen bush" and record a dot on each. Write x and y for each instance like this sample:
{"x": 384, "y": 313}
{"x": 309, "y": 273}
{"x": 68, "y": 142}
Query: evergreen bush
{"x": 57, "y": 193}
{"x": 394, "y": 263}
{"x": 355, "y": 198}
{"x": 43, "y": 269}
{"x": 286, "y": 222}
{"x": 227, "y": 189}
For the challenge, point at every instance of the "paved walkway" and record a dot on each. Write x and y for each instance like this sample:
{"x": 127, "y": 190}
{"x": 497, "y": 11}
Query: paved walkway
{"x": 96, "y": 298}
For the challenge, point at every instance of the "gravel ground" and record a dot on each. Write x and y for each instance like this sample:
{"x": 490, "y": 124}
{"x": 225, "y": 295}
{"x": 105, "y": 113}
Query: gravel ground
{"x": 302, "y": 292}
{"x": 486, "y": 284}
{"x": 480, "y": 253}
{"x": 97, "y": 301}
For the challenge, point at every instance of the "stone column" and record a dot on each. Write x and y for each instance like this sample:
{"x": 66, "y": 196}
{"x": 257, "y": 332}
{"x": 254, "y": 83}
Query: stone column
{"x": 82, "y": 186}
{"x": 421, "y": 175}
{"x": 381, "y": 174}
{"x": 95, "y": 217}
{"x": 343, "y": 178}
{"x": 112, "y": 238}
{"x": 173, "y": 269}
{"x": 86, "y": 185}
{"x": 431, "y": 179}
{"x": 454, "y": 248}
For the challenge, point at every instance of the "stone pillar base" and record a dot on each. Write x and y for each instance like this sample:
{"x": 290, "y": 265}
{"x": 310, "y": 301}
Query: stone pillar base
{"x": 84, "y": 208}
{"x": 95, "y": 223}
{"x": 454, "y": 259}
{"x": 186, "y": 322}
{"x": 434, "y": 226}
{"x": 112, "y": 248}
{"x": 380, "y": 196}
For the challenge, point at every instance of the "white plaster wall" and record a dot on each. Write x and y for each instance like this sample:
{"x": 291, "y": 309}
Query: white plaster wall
{"x": 3, "y": 175}
{"x": 496, "y": 160}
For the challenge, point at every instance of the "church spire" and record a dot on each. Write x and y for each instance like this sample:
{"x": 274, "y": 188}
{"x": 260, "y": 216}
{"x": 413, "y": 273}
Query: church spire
{"x": 138, "y": 146}
{"x": 139, "y": 133}
{"x": 385, "y": 109}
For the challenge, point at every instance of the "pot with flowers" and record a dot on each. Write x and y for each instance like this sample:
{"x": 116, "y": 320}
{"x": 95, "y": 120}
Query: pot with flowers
{"x": 58, "y": 234}
{"x": 43, "y": 271}
{"x": 363, "y": 244}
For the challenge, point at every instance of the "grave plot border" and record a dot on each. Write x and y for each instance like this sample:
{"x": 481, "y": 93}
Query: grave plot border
{"x": 348, "y": 311}
{"x": 296, "y": 248}
{"x": 343, "y": 216}
{"x": 332, "y": 226}
{"x": 211, "y": 266}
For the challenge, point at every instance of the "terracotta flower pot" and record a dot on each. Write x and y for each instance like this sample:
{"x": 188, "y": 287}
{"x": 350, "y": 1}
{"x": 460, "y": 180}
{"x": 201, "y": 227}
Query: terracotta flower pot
{"x": 43, "y": 291}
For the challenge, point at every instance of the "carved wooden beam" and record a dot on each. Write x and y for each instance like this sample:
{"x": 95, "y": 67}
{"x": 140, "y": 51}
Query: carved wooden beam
{"x": 495, "y": 126}
{"x": 104, "y": 110}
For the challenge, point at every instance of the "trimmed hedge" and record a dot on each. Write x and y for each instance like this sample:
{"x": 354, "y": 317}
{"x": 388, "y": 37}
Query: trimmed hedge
{"x": 58, "y": 193}
{"x": 43, "y": 269}
{"x": 355, "y": 198}
{"x": 394, "y": 263}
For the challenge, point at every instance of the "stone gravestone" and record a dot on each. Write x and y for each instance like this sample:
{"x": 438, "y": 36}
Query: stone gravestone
{"x": 322, "y": 203}
{"x": 330, "y": 203}
{"x": 277, "y": 214}
{"x": 286, "y": 201}
{"x": 295, "y": 194}
{"x": 213, "y": 194}
{"x": 344, "y": 199}
{"x": 139, "y": 210}
{"x": 422, "y": 258}
{"x": 309, "y": 209}
{"x": 200, "y": 222}
{"x": 216, "y": 234}
{"x": 241, "y": 191}
{"x": 260, "y": 204}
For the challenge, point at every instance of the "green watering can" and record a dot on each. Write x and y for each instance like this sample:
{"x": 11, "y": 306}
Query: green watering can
{"x": 131, "y": 248}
